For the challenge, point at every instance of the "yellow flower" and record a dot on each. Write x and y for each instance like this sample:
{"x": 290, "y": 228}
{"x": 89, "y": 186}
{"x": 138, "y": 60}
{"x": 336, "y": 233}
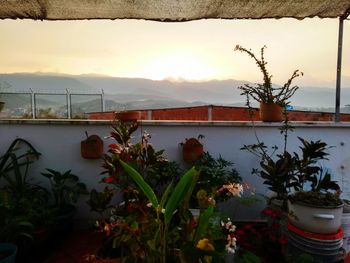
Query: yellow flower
{"x": 205, "y": 245}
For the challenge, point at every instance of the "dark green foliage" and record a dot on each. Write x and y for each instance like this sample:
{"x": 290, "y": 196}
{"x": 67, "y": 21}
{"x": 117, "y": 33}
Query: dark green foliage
{"x": 100, "y": 201}
{"x": 277, "y": 174}
{"x": 214, "y": 173}
{"x": 315, "y": 198}
{"x": 142, "y": 156}
{"x": 294, "y": 171}
{"x": 23, "y": 204}
{"x": 13, "y": 228}
{"x": 66, "y": 187}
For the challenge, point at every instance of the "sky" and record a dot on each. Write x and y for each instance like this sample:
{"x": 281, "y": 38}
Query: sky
{"x": 196, "y": 50}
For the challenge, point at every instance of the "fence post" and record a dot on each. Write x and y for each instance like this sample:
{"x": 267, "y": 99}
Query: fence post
{"x": 103, "y": 106}
{"x": 69, "y": 105}
{"x": 32, "y": 96}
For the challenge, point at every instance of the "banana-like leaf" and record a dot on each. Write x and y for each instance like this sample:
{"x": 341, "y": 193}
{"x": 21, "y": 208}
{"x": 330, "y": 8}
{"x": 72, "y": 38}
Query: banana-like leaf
{"x": 166, "y": 194}
{"x": 179, "y": 193}
{"x": 203, "y": 222}
{"x": 138, "y": 179}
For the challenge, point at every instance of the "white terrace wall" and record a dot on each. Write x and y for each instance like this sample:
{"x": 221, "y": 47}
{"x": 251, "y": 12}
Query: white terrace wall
{"x": 59, "y": 144}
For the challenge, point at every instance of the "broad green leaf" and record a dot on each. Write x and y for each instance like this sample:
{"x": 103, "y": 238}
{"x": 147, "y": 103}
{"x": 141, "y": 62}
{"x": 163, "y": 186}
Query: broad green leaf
{"x": 203, "y": 222}
{"x": 179, "y": 194}
{"x": 166, "y": 194}
{"x": 138, "y": 179}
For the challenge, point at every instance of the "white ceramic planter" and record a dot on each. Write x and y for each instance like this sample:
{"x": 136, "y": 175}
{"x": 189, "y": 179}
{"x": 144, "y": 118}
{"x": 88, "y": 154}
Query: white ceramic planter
{"x": 315, "y": 219}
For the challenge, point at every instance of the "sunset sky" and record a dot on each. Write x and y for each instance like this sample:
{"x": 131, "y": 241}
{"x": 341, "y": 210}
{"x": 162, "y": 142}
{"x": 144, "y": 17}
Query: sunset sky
{"x": 198, "y": 50}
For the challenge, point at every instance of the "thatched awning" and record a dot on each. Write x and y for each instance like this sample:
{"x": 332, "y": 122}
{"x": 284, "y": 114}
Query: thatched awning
{"x": 171, "y": 10}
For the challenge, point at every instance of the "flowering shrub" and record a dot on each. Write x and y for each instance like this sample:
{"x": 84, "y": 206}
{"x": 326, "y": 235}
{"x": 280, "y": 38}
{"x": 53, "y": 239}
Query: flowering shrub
{"x": 127, "y": 236}
{"x": 228, "y": 190}
{"x": 266, "y": 241}
{"x": 229, "y": 228}
{"x": 214, "y": 173}
{"x": 210, "y": 236}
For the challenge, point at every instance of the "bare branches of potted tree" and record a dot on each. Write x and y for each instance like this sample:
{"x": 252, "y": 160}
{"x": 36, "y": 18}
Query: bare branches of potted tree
{"x": 272, "y": 99}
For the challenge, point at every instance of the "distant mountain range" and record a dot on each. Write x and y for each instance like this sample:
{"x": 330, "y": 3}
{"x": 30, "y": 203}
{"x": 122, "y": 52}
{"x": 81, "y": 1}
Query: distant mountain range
{"x": 128, "y": 93}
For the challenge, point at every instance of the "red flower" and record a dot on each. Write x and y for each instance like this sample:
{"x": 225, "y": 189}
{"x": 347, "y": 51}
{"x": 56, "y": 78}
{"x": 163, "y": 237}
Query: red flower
{"x": 108, "y": 179}
{"x": 113, "y": 146}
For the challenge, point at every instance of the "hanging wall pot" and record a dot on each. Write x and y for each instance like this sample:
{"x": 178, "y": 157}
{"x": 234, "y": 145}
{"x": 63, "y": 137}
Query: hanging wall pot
{"x": 192, "y": 150}
{"x": 91, "y": 147}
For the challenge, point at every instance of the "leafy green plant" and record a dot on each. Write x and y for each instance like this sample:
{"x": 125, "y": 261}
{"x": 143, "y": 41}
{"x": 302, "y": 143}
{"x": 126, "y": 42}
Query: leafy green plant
{"x": 214, "y": 173}
{"x": 164, "y": 207}
{"x": 287, "y": 172}
{"x": 266, "y": 92}
{"x": 148, "y": 161}
{"x": 13, "y": 228}
{"x": 14, "y": 165}
{"x": 23, "y": 202}
{"x": 66, "y": 187}
{"x": 100, "y": 201}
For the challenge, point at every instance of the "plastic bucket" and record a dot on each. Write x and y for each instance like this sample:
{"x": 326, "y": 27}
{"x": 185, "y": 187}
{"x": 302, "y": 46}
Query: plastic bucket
{"x": 345, "y": 223}
{"x": 315, "y": 219}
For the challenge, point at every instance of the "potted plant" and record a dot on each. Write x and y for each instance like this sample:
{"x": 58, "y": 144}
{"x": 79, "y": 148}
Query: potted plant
{"x": 23, "y": 204}
{"x": 272, "y": 99}
{"x": 299, "y": 179}
{"x": 150, "y": 162}
{"x": 316, "y": 211}
{"x": 164, "y": 207}
{"x": 66, "y": 188}
{"x": 127, "y": 224}
{"x": 14, "y": 229}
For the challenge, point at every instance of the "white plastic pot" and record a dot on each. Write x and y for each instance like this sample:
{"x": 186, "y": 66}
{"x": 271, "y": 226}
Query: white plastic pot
{"x": 346, "y": 228}
{"x": 315, "y": 219}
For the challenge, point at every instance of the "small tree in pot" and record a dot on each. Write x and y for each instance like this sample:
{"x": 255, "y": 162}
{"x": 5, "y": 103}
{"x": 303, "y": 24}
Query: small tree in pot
{"x": 271, "y": 98}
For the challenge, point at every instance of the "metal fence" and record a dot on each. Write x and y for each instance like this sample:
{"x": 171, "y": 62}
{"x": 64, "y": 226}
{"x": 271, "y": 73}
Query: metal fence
{"x": 39, "y": 105}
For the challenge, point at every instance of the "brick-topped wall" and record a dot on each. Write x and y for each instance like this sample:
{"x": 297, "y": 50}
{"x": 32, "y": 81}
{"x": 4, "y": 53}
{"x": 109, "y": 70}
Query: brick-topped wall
{"x": 217, "y": 113}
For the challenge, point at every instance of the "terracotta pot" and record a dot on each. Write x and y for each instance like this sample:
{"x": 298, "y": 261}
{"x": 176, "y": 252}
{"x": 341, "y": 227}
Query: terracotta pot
{"x": 92, "y": 147}
{"x": 2, "y": 104}
{"x": 128, "y": 115}
{"x": 271, "y": 112}
{"x": 192, "y": 150}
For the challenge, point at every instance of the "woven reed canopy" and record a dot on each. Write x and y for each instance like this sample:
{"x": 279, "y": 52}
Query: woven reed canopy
{"x": 171, "y": 10}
